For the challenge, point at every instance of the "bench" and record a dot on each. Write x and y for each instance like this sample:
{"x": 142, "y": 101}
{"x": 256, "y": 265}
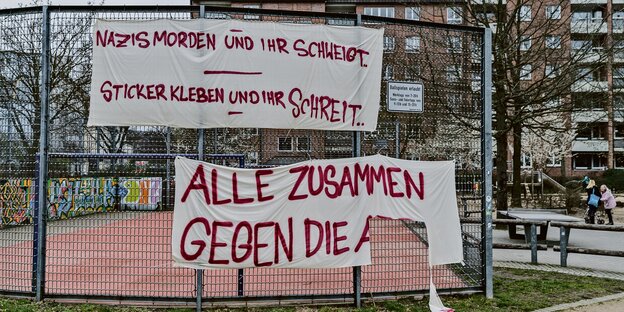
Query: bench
{"x": 564, "y": 236}
{"x": 548, "y": 215}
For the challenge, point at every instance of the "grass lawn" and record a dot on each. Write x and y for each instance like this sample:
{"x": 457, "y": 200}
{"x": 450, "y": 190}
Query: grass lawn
{"x": 514, "y": 290}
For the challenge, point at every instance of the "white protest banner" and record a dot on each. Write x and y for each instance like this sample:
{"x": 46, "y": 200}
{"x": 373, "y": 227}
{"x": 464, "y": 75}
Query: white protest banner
{"x": 228, "y": 73}
{"x": 312, "y": 214}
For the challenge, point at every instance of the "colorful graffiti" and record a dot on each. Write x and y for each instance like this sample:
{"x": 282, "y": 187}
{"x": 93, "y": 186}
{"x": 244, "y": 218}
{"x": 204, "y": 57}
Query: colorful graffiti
{"x": 73, "y": 197}
{"x": 140, "y": 194}
{"x": 16, "y": 201}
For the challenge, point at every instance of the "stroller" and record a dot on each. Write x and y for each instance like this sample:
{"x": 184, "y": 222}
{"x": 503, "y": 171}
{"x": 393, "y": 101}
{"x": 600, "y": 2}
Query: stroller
{"x": 599, "y": 216}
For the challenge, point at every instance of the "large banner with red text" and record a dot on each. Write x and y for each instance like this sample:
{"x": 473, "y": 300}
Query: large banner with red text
{"x": 229, "y": 73}
{"x": 312, "y": 214}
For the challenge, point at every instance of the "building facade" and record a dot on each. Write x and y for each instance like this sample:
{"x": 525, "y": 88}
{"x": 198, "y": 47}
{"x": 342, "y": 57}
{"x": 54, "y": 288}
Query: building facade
{"x": 589, "y": 34}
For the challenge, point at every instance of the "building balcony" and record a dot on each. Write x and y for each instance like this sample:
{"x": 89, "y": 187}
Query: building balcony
{"x": 592, "y": 56}
{"x": 618, "y": 115}
{"x": 481, "y": 2}
{"x": 592, "y": 26}
{"x": 618, "y": 145}
{"x": 589, "y": 2}
{"x": 618, "y": 57}
{"x": 590, "y": 86}
{"x": 590, "y": 146}
{"x": 589, "y": 116}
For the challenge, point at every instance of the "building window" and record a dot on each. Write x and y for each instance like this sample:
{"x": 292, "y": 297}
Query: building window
{"x": 525, "y": 43}
{"x": 525, "y": 72}
{"x": 526, "y": 160}
{"x": 381, "y": 12}
{"x": 388, "y": 43}
{"x": 215, "y": 15}
{"x": 618, "y": 131}
{"x": 553, "y": 42}
{"x": 303, "y": 144}
{"x": 584, "y": 75}
{"x": 285, "y": 144}
{"x": 618, "y": 20}
{"x": 581, "y": 17}
{"x": 581, "y": 45}
{"x": 412, "y": 44}
{"x": 454, "y": 44}
{"x": 388, "y": 72}
{"x": 475, "y": 52}
{"x": 454, "y": 15}
{"x": 412, "y": 13}
{"x": 619, "y": 161}
{"x": 453, "y": 73}
{"x": 553, "y": 12}
{"x": 454, "y": 100}
{"x": 553, "y": 160}
{"x": 524, "y": 15}
{"x": 551, "y": 71}
{"x": 618, "y": 77}
{"x": 618, "y": 102}
{"x": 586, "y": 131}
{"x": 589, "y": 161}
{"x": 250, "y": 16}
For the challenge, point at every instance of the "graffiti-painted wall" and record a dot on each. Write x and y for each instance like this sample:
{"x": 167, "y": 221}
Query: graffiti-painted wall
{"x": 140, "y": 193}
{"x": 72, "y": 197}
{"x": 17, "y": 198}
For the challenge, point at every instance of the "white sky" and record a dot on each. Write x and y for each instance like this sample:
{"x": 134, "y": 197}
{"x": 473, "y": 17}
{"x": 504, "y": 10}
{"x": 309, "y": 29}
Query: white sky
{"x": 16, "y": 3}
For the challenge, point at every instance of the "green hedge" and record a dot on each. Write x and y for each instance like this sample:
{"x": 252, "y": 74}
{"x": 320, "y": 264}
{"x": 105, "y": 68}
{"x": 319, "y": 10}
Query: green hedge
{"x": 613, "y": 178}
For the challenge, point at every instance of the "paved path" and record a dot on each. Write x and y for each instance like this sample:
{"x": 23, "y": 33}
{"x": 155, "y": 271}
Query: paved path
{"x": 578, "y": 264}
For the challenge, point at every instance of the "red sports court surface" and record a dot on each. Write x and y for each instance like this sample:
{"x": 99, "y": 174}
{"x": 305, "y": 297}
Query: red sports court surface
{"x": 129, "y": 254}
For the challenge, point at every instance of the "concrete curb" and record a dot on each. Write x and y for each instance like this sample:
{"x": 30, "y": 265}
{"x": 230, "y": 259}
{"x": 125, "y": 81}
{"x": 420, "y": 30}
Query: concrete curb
{"x": 568, "y": 306}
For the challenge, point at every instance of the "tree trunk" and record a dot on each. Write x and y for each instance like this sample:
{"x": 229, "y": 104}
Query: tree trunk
{"x": 501, "y": 172}
{"x": 516, "y": 190}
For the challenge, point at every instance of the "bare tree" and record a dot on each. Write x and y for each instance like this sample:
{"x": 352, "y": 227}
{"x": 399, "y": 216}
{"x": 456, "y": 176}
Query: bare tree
{"x": 20, "y": 79}
{"x": 536, "y": 66}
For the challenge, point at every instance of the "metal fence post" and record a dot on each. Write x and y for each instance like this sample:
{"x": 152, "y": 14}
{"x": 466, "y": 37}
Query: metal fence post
{"x": 39, "y": 230}
{"x": 357, "y": 270}
{"x": 533, "y": 244}
{"x": 486, "y": 159}
{"x": 564, "y": 236}
{"x": 168, "y": 171}
{"x": 200, "y": 156}
{"x": 397, "y": 138}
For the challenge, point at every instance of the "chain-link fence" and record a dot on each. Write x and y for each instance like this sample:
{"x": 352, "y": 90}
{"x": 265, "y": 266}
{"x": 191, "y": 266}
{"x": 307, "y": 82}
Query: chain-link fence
{"x": 93, "y": 218}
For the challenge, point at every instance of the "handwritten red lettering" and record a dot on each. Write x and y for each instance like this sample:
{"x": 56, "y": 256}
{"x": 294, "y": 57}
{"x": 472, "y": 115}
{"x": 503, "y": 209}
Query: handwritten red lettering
{"x": 338, "y": 238}
{"x": 246, "y": 246}
{"x": 214, "y": 244}
{"x": 322, "y": 107}
{"x": 193, "y": 185}
{"x": 260, "y": 185}
{"x": 348, "y": 180}
{"x": 194, "y": 40}
{"x": 330, "y": 51}
{"x": 201, "y": 244}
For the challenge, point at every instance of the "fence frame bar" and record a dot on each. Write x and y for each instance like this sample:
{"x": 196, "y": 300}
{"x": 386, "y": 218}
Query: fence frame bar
{"x": 39, "y": 230}
{"x": 486, "y": 160}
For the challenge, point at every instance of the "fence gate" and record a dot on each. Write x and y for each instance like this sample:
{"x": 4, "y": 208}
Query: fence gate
{"x": 86, "y": 211}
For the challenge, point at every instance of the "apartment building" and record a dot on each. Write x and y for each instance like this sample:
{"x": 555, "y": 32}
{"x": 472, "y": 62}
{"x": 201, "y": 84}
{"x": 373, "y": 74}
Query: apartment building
{"x": 595, "y": 28}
